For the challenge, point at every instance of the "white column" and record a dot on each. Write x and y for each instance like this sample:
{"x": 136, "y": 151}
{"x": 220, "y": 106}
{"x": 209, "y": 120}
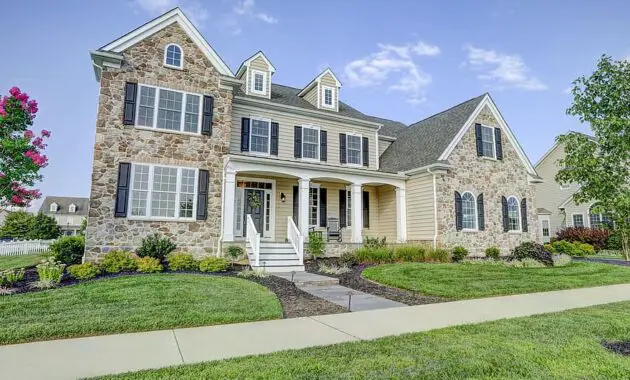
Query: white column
{"x": 357, "y": 213}
{"x": 229, "y": 190}
{"x": 305, "y": 184}
{"x": 401, "y": 215}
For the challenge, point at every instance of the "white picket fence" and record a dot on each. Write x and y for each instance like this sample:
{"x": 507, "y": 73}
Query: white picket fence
{"x": 23, "y": 247}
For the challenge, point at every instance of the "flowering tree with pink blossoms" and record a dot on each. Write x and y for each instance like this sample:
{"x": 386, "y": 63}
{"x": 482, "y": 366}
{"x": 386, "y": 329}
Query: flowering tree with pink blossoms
{"x": 21, "y": 155}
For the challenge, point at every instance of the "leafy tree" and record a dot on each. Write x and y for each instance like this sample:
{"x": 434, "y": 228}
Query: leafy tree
{"x": 44, "y": 227}
{"x": 20, "y": 150}
{"x": 24, "y": 225}
{"x": 601, "y": 166}
{"x": 83, "y": 227}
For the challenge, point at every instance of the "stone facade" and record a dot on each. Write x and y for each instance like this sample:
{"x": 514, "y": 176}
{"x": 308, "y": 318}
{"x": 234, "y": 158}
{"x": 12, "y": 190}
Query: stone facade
{"x": 492, "y": 178}
{"x": 115, "y": 142}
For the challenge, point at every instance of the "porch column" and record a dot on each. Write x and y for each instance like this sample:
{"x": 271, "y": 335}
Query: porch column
{"x": 229, "y": 190}
{"x": 305, "y": 185}
{"x": 401, "y": 215}
{"x": 357, "y": 213}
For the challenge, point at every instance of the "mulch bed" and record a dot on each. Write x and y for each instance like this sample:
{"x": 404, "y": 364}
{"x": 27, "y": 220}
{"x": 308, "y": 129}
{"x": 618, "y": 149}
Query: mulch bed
{"x": 621, "y": 348}
{"x": 620, "y": 261}
{"x": 354, "y": 280}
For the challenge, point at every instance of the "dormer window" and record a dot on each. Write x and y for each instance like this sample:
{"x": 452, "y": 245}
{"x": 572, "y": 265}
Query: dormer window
{"x": 53, "y": 207}
{"x": 259, "y": 82}
{"x": 328, "y": 97}
{"x": 72, "y": 208}
{"x": 173, "y": 56}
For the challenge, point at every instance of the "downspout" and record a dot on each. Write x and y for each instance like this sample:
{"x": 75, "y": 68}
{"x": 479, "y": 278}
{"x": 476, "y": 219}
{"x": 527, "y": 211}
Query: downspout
{"x": 378, "y": 153}
{"x": 220, "y": 241}
{"x": 435, "y": 214}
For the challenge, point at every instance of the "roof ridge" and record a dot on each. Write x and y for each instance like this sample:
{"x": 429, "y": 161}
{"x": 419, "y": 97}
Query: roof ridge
{"x": 448, "y": 109}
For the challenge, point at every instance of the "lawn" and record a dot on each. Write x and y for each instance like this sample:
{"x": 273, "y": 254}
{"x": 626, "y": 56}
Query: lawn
{"x": 462, "y": 281}
{"x": 134, "y": 303}
{"x": 21, "y": 261}
{"x": 562, "y": 345}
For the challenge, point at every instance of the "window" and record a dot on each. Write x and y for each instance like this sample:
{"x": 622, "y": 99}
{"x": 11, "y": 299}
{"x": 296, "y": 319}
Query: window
{"x": 328, "y": 97}
{"x": 70, "y": 220}
{"x": 578, "y": 220}
{"x": 469, "y": 211}
{"x": 259, "y": 84}
{"x": 173, "y": 56}
{"x": 353, "y": 149}
{"x": 72, "y": 208}
{"x": 163, "y": 192}
{"x": 595, "y": 220}
{"x": 545, "y": 228}
{"x": 169, "y": 110}
{"x": 259, "y": 136}
{"x": 487, "y": 139}
{"x": 310, "y": 142}
{"x": 53, "y": 207}
{"x": 514, "y": 220}
{"x": 313, "y": 207}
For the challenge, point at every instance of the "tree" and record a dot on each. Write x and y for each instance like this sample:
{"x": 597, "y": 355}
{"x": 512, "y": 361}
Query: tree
{"x": 601, "y": 166}
{"x": 44, "y": 227}
{"x": 20, "y": 150}
{"x": 24, "y": 225}
{"x": 83, "y": 227}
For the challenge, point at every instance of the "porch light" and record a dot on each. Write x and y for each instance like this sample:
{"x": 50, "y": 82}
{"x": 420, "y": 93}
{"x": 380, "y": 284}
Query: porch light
{"x": 283, "y": 197}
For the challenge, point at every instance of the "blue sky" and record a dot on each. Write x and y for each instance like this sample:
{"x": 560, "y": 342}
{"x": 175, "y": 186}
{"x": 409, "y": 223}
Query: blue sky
{"x": 401, "y": 60}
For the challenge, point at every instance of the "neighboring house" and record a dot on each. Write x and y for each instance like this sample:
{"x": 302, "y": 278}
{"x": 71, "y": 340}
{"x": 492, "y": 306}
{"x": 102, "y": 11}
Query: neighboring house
{"x": 186, "y": 148}
{"x": 69, "y": 212}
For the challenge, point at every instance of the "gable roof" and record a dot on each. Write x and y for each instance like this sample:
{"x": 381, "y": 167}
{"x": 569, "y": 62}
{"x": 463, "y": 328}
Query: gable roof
{"x": 556, "y": 144}
{"x": 390, "y": 128}
{"x": 317, "y": 79}
{"x": 246, "y": 63}
{"x": 65, "y": 202}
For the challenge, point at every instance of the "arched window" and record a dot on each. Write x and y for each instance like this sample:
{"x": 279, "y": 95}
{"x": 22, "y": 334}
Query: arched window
{"x": 469, "y": 211}
{"x": 514, "y": 214}
{"x": 173, "y": 56}
{"x": 72, "y": 208}
{"x": 53, "y": 207}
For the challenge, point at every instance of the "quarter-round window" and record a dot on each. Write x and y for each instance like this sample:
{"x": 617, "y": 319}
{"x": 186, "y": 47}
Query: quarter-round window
{"x": 173, "y": 56}
{"x": 469, "y": 211}
{"x": 514, "y": 214}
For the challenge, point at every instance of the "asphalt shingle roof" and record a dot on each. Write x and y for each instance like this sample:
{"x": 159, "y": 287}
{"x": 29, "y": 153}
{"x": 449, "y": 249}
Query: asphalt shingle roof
{"x": 65, "y": 202}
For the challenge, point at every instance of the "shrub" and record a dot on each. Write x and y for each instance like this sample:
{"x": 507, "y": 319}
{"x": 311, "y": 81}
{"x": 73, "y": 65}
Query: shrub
{"x": 149, "y": 265}
{"x": 84, "y": 271}
{"x": 182, "y": 261}
{"x": 315, "y": 245}
{"x": 584, "y": 249}
{"x": 531, "y": 250}
{"x": 213, "y": 264}
{"x": 50, "y": 271}
{"x": 366, "y": 255}
{"x": 609, "y": 252}
{"x": 459, "y": 253}
{"x": 333, "y": 269}
{"x": 561, "y": 260}
{"x": 597, "y": 237}
{"x": 410, "y": 253}
{"x": 565, "y": 247}
{"x": 549, "y": 247}
{"x": 235, "y": 253}
{"x": 614, "y": 242}
{"x": 68, "y": 249}
{"x": 257, "y": 273}
{"x": 119, "y": 261}
{"x": 348, "y": 258}
{"x": 525, "y": 263}
{"x": 156, "y": 246}
{"x": 375, "y": 242}
{"x": 42, "y": 284}
{"x": 11, "y": 276}
{"x": 438, "y": 255}
{"x": 493, "y": 253}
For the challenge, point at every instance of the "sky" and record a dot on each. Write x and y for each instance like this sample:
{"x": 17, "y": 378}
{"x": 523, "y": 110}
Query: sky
{"x": 402, "y": 60}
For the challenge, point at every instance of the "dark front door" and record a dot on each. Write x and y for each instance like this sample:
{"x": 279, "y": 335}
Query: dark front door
{"x": 254, "y": 200}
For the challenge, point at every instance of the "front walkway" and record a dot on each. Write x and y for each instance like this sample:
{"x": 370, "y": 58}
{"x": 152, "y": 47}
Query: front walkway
{"x": 84, "y": 357}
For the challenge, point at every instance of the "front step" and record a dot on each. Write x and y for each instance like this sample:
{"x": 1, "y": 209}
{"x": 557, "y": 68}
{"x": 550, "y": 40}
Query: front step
{"x": 277, "y": 258}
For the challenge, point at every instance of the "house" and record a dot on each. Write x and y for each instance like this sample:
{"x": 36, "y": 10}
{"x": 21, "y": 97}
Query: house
{"x": 69, "y": 212}
{"x": 186, "y": 148}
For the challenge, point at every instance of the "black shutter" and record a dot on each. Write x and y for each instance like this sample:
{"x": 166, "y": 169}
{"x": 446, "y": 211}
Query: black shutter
{"x": 206, "y": 121}
{"x": 366, "y": 151}
{"x": 245, "y": 134}
{"x": 322, "y": 206}
{"x": 275, "y": 129}
{"x": 479, "y": 140}
{"x": 458, "y": 211}
{"x": 504, "y": 208}
{"x": 342, "y": 208}
{"x": 481, "y": 218}
{"x": 296, "y": 205}
{"x": 129, "y": 110}
{"x": 122, "y": 189}
{"x": 342, "y": 148}
{"x": 297, "y": 141}
{"x": 499, "y": 143}
{"x": 323, "y": 145}
{"x": 202, "y": 194}
{"x": 524, "y": 214}
{"x": 366, "y": 209}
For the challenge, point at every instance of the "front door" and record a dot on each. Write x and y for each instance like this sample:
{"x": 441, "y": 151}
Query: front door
{"x": 254, "y": 206}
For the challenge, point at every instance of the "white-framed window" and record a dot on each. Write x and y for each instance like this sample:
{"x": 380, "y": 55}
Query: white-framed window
{"x": 514, "y": 214}
{"x": 310, "y": 142}
{"x": 487, "y": 141}
{"x": 353, "y": 149}
{"x": 163, "y": 192}
{"x": 328, "y": 95}
{"x": 72, "y": 208}
{"x": 70, "y": 220}
{"x": 258, "y": 82}
{"x": 173, "y": 56}
{"x": 54, "y": 207}
{"x": 313, "y": 206}
{"x": 260, "y": 135}
{"x": 578, "y": 220}
{"x": 545, "y": 228}
{"x": 469, "y": 211}
{"x": 165, "y": 109}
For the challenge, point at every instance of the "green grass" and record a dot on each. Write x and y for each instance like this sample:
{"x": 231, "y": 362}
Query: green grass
{"x": 563, "y": 345}
{"x": 134, "y": 303}
{"x": 22, "y": 261}
{"x": 461, "y": 281}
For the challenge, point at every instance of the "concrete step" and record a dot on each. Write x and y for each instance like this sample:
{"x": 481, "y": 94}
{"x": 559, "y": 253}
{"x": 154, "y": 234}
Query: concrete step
{"x": 278, "y": 256}
{"x": 281, "y": 268}
{"x": 301, "y": 279}
{"x": 276, "y": 263}
{"x": 270, "y": 250}
{"x": 269, "y": 244}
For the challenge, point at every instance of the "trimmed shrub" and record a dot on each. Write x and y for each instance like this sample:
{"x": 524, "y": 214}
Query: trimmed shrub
{"x": 585, "y": 249}
{"x": 149, "y": 265}
{"x": 565, "y": 247}
{"x": 438, "y": 255}
{"x": 366, "y": 255}
{"x": 315, "y": 245}
{"x": 549, "y": 247}
{"x": 597, "y": 237}
{"x": 50, "y": 271}
{"x": 561, "y": 260}
{"x": 459, "y": 253}
{"x": 84, "y": 271}
{"x": 68, "y": 249}
{"x": 213, "y": 264}
{"x": 11, "y": 276}
{"x": 410, "y": 253}
{"x": 235, "y": 253}
{"x": 375, "y": 242}
{"x": 531, "y": 250}
{"x": 348, "y": 258}
{"x": 182, "y": 261}
{"x": 493, "y": 253}
{"x": 156, "y": 246}
{"x": 118, "y": 261}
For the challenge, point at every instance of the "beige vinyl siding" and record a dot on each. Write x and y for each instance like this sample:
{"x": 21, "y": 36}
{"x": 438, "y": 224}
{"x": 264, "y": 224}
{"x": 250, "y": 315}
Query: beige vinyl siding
{"x": 382, "y": 145}
{"x": 420, "y": 208}
{"x": 260, "y": 65}
{"x": 387, "y": 212}
{"x": 287, "y": 121}
{"x": 328, "y": 81}
{"x": 311, "y": 96}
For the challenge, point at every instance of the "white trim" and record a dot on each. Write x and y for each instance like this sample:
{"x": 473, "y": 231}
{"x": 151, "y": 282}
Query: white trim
{"x": 316, "y": 81}
{"x": 252, "y": 82}
{"x": 272, "y": 208}
{"x": 156, "y": 103}
{"x": 518, "y": 209}
{"x": 378, "y": 152}
{"x": 181, "y": 57}
{"x": 72, "y": 208}
{"x": 360, "y": 149}
{"x": 475, "y": 211}
{"x": 268, "y": 121}
{"x": 245, "y": 65}
{"x": 573, "y": 220}
{"x": 54, "y": 207}
{"x": 317, "y": 187}
{"x": 332, "y": 97}
{"x": 319, "y": 142}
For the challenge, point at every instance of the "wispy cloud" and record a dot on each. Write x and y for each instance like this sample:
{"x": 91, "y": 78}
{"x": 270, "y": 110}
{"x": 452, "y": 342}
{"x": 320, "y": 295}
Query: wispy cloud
{"x": 502, "y": 70}
{"x": 393, "y": 66}
{"x": 193, "y": 9}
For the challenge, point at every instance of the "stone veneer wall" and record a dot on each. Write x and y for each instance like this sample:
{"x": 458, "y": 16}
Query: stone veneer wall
{"x": 118, "y": 143}
{"x": 492, "y": 178}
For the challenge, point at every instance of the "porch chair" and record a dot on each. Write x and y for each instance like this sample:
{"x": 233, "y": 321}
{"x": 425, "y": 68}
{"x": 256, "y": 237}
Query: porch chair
{"x": 333, "y": 230}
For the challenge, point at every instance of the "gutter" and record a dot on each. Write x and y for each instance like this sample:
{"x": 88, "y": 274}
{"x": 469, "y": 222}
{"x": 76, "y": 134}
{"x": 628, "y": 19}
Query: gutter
{"x": 435, "y": 221}
{"x": 220, "y": 240}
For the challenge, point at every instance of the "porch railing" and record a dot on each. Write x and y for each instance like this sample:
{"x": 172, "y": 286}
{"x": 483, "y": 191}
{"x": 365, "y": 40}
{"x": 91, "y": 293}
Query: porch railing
{"x": 296, "y": 239}
{"x": 253, "y": 238}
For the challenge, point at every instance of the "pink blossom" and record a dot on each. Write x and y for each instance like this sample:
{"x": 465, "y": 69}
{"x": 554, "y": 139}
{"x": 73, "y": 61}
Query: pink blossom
{"x": 22, "y": 97}
{"x": 16, "y": 200}
{"x": 45, "y": 133}
{"x": 38, "y": 142}
{"x": 3, "y": 112}
{"x": 2, "y": 175}
{"x": 23, "y": 104}
{"x": 15, "y": 91}
{"x": 28, "y": 134}
{"x": 38, "y": 159}
{"x": 32, "y": 106}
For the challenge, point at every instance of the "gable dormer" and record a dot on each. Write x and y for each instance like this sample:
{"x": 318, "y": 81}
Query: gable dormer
{"x": 323, "y": 91}
{"x": 256, "y": 74}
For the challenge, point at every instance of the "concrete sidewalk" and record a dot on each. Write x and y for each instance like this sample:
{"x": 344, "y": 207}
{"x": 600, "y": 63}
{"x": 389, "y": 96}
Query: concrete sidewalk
{"x": 85, "y": 357}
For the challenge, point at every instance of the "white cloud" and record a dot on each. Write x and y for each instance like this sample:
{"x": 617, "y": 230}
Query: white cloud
{"x": 567, "y": 90}
{"x": 246, "y": 8}
{"x": 393, "y": 66}
{"x": 193, "y": 9}
{"x": 266, "y": 18}
{"x": 502, "y": 70}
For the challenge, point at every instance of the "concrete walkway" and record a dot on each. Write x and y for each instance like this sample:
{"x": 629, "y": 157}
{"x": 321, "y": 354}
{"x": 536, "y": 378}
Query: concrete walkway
{"x": 85, "y": 357}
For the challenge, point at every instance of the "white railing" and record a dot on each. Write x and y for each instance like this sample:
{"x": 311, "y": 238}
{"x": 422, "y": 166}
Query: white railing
{"x": 253, "y": 238}
{"x": 296, "y": 239}
{"x": 23, "y": 247}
